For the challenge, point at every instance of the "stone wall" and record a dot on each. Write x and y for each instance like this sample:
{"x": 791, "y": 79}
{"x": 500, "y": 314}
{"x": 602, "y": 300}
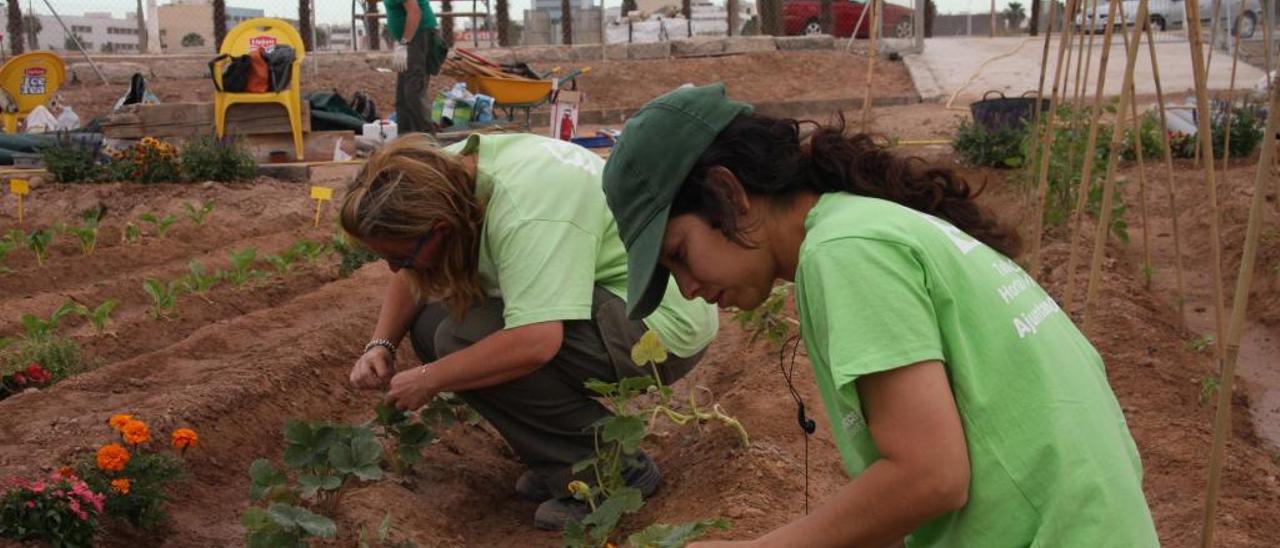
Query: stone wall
{"x": 118, "y": 68}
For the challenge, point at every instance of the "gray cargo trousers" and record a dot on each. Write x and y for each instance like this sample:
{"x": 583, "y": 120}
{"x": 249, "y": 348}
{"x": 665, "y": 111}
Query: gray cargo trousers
{"x": 546, "y": 416}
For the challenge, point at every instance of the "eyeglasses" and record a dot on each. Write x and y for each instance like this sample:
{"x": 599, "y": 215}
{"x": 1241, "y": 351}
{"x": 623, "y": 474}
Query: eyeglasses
{"x": 409, "y": 260}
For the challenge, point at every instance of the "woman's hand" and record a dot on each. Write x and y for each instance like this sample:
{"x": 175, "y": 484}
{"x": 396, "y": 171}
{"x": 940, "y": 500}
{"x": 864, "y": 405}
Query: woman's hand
{"x": 374, "y": 369}
{"x": 411, "y": 389}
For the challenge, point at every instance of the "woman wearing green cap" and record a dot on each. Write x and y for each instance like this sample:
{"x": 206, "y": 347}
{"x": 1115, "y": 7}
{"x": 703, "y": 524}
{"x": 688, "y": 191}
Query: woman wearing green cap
{"x": 967, "y": 408}
{"x": 510, "y": 279}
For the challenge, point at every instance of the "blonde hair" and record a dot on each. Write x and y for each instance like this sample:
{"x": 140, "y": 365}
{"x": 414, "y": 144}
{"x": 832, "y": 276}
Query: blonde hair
{"x": 404, "y": 191}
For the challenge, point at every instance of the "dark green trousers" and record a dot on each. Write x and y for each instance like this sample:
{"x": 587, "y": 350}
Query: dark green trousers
{"x": 546, "y": 416}
{"x": 413, "y": 110}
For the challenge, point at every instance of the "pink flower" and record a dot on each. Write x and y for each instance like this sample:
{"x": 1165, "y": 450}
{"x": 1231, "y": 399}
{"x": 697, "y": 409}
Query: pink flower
{"x": 37, "y": 487}
{"x": 31, "y": 504}
{"x": 74, "y": 505}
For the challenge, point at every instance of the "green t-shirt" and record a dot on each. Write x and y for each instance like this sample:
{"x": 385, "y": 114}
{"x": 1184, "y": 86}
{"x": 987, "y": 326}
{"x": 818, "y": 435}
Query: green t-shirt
{"x": 549, "y": 239}
{"x": 396, "y": 16}
{"x": 881, "y": 286}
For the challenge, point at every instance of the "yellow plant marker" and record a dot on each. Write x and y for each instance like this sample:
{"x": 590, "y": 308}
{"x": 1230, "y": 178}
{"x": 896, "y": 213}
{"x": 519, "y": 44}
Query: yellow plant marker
{"x": 20, "y": 188}
{"x": 320, "y": 194}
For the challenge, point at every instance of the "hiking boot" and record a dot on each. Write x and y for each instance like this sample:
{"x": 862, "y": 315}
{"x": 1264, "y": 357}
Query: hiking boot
{"x": 554, "y": 514}
{"x": 532, "y": 486}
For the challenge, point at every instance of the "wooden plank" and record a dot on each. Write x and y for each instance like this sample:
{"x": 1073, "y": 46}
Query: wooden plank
{"x": 168, "y": 120}
{"x": 317, "y": 145}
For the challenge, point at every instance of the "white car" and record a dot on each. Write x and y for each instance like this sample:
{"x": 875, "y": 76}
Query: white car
{"x": 1166, "y": 14}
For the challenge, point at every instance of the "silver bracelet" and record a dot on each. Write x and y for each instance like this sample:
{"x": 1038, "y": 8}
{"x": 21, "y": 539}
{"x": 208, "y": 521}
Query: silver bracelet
{"x": 390, "y": 346}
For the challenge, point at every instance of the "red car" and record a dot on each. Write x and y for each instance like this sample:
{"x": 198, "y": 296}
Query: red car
{"x": 801, "y": 17}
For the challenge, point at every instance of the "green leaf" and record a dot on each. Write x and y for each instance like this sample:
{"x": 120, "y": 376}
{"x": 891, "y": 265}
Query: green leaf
{"x": 290, "y": 517}
{"x": 264, "y": 476}
{"x": 585, "y": 464}
{"x": 365, "y": 450}
{"x": 368, "y": 472}
{"x": 605, "y": 518}
{"x": 409, "y": 454}
{"x": 575, "y": 535}
{"x": 416, "y": 435}
{"x": 297, "y": 432}
{"x": 625, "y": 430}
{"x": 635, "y": 385}
{"x": 299, "y": 456}
{"x": 254, "y": 518}
{"x": 384, "y": 529}
{"x": 310, "y": 484}
{"x": 605, "y": 389}
{"x": 388, "y": 414}
{"x": 661, "y": 535}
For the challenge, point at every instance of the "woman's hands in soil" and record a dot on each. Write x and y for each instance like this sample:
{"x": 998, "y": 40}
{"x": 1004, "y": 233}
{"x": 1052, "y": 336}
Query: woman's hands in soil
{"x": 374, "y": 369}
{"x": 411, "y": 389}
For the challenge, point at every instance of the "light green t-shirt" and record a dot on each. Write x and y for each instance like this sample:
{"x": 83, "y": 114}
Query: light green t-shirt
{"x": 396, "y": 15}
{"x": 882, "y": 286}
{"x": 549, "y": 239}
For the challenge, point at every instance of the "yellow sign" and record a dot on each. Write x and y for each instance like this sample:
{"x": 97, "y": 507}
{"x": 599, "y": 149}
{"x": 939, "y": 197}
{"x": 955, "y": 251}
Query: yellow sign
{"x": 19, "y": 186}
{"x": 321, "y": 193}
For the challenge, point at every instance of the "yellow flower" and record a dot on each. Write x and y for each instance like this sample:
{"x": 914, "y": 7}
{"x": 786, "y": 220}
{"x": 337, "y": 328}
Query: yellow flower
{"x": 649, "y": 349}
{"x": 118, "y": 421}
{"x": 112, "y": 457}
{"x": 184, "y": 438}
{"x": 136, "y": 432}
{"x": 580, "y": 490}
{"x": 120, "y": 486}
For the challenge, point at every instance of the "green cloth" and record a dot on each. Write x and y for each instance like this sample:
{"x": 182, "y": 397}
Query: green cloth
{"x": 396, "y": 15}
{"x": 549, "y": 239}
{"x": 653, "y": 157}
{"x": 880, "y": 286}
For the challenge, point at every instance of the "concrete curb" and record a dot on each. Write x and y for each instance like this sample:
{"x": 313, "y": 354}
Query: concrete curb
{"x": 926, "y": 85}
{"x": 781, "y": 109}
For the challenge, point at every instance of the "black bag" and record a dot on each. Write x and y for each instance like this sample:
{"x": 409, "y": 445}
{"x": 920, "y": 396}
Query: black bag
{"x": 364, "y": 105}
{"x": 235, "y": 77}
{"x": 280, "y": 66}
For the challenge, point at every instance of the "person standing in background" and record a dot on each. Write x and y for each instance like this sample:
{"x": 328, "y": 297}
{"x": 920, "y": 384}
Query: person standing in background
{"x": 418, "y": 54}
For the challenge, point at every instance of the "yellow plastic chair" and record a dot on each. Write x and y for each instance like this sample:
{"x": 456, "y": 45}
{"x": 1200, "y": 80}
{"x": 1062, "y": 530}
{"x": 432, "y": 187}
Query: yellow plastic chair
{"x": 30, "y": 79}
{"x": 266, "y": 33}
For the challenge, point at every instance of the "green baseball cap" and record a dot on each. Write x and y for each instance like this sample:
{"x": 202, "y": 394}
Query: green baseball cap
{"x": 652, "y": 158}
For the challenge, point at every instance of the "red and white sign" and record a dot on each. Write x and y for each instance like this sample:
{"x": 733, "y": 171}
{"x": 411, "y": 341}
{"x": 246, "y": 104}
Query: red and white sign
{"x": 34, "y": 81}
{"x": 476, "y": 36}
{"x": 266, "y": 43}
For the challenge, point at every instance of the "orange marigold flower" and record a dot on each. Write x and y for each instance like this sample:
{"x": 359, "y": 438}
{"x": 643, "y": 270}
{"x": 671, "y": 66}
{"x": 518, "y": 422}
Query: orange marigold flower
{"x": 120, "y": 486}
{"x": 184, "y": 438}
{"x": 66, "y": 472}
{"x": 135, "y": 432}
{"x": 117, "y": 422}
{"x": 112, "y": 457}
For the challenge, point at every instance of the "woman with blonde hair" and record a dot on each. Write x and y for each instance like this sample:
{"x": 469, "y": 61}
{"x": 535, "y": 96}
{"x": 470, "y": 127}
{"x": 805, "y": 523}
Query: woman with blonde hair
{"x": 510, "y": 280}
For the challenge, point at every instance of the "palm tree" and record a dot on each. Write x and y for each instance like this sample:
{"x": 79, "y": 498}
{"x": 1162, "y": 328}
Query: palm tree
{"x": 566, "y": 21}
{"x": 686, "y": 8}
{"x": 193, "y": 40}
{"x": 304, "y": 24}
{"x": 372, "y": 26}
{"x": 770, "y": 14}
{"x": 824, "y": 16}
{"x": 219, "y": 25}
{"x": 1014, "y": 13}
{"x": 33, "y": 27}
{"x": 142, "y": 30}
{"x": 446, "y": 22}
{"x": 504, "y": 24}
{"x": 15, "y": 27}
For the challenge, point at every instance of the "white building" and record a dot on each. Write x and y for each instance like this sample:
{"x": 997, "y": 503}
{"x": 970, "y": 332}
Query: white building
{"x": 340, "y": 36}
{"x": 98, "y": 32}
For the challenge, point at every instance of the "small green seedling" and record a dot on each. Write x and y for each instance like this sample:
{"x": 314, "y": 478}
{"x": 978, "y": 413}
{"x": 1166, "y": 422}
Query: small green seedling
{"x": 384, "y": 537}
{"x": 353, "y": 255}
{"x": 7, "y": 245}
{"x": 164, "y": 297}
{"x": 161, "y": 224}
{"x": 1148, "y": 272}
{"x": 198, "y": 215}
{"x": 87, "y": 233}
{"x": 40, "y": 329}
{"x": 199, "y": 281}
{"x": 38, "y": 242}
{"x": 241, "y": 266}
{"x": 1202, "y": 343}
{"x": 308, "y": 249}
{"x": 132, "y": 234}
{"x": 1208, "y": 388}
{"x": 283, "y": 262}
{"x": 99, "y": 316}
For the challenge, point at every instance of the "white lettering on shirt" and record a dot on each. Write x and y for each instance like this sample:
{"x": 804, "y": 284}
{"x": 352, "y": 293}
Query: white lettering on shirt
{"x": 1029, "y": 322}
{"x": 964, "y": 242}
{"x": 573, "y": 155}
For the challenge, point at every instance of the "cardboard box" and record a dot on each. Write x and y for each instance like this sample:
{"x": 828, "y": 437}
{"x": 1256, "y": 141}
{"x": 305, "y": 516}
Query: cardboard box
{"x": 564, "y": 114}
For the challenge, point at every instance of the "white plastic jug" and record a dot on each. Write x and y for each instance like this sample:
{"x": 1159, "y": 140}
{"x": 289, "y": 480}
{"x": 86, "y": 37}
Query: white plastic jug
{"x": 382, "y": 130}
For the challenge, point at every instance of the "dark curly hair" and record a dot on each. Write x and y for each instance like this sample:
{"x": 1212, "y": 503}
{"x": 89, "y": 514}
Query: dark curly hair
{"x": 769, "y": 158}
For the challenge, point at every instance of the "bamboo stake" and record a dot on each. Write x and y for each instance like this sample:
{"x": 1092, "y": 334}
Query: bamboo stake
{"x": 1117, "y": 138}
{"x": 1147, "y": 268}
{"x": 1213, "y": 40}
{"x": 1226, "y": 124}
{"x": 871, "y": 64}
{"x": 1168, "y": 162}
{"x": 1091, "y": 144}
{"x": 1086, "y": 56}
{"x": 1032, "y": 161}
{"x": 1215, "y": 232}
{"x": 1046, "y": 139}
{"x": 1239, "y": 305}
